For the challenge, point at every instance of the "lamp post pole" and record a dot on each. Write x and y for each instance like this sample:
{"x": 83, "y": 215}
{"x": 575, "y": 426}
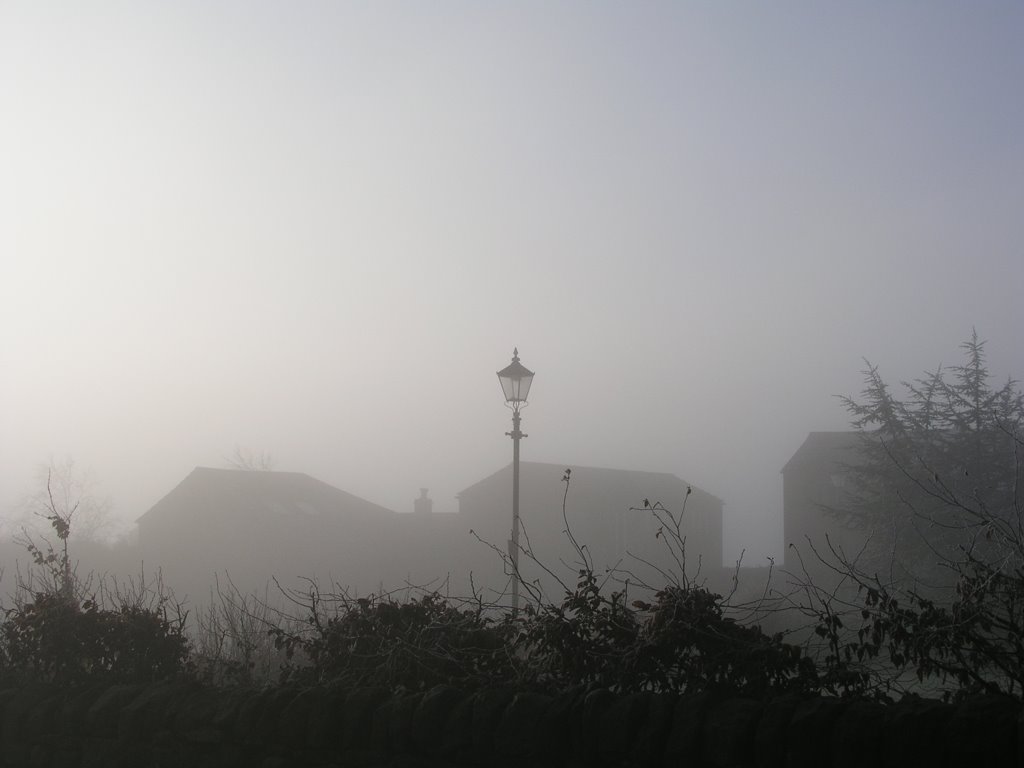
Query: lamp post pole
{"x": 516, "y": 434}
{"x": 515, "y": 383}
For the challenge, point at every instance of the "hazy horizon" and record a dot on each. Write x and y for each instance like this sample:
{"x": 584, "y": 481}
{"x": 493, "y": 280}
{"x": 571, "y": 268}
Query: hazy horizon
{"x": 318, "y": 231}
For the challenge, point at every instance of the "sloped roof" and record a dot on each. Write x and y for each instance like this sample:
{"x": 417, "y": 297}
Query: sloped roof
{"x": 655, "y": 486}
{"x": 272, "y": 493}
{"x": 827, "y": 447}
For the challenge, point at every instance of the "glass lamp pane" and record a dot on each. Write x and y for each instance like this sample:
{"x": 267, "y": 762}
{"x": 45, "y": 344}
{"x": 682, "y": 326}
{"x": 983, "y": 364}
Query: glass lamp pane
{"x": 507, "y": 388}
{"x": 524, "y": 387}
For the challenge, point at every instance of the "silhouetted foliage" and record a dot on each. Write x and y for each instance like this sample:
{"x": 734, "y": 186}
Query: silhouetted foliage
{"x": 939, "y": 470}
{"x": 61, "y": 633}
{"x": 941, "y": 476}
{"x": 680, "y": 640}
{"x": 56, "y": 640}
{"x": 379, "y": 641}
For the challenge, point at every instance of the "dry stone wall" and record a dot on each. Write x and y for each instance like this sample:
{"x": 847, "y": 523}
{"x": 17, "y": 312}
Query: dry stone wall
{"x": 192, "y": 726}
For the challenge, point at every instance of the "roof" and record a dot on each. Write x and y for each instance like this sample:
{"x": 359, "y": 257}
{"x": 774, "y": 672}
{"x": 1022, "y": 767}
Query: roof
{"x": 827, "y": 447}
{"x": 656, "y": 486}
{"x": 275, "y": 493}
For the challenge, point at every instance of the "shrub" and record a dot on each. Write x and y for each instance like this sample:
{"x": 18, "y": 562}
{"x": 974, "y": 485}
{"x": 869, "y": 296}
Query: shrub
{"x": 64, "y": 633}
{"x": 681, "y": 640}
{"x": 54, "y": 639}
{"x": 414, "y": 645}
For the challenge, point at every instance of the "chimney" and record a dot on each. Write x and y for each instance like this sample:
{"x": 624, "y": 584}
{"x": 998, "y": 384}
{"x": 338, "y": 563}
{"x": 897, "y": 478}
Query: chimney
{"x": 423, "y": 505}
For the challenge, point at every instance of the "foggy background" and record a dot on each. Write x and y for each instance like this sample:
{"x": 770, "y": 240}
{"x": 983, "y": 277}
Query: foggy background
{"x": 317, "y": 230}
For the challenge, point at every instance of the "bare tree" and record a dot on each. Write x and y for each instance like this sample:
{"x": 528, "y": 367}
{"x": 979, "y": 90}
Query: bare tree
{"x": 65, "y": 490}
{"x": 244, "y": 459}
{"x": 64, "y": 509}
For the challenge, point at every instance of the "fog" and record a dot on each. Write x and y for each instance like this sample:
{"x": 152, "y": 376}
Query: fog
{"x": 317, "y": 231}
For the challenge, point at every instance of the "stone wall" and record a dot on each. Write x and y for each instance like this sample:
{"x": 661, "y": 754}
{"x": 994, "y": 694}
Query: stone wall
{"x": 190, "y": 726}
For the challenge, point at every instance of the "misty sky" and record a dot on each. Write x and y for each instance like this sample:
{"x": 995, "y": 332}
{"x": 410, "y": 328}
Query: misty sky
{"x": 318, "y": 229}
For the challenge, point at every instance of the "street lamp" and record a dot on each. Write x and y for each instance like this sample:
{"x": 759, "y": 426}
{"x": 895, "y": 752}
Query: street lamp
{"x": 515, "y": 381}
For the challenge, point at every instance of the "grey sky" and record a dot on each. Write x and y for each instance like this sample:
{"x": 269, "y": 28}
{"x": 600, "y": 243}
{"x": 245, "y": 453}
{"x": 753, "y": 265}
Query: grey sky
{"x": 318, "y": 230}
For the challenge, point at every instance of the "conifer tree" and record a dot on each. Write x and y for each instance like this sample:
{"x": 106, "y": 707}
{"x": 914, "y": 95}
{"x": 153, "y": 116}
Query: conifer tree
{"x": 939, "y": 470}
